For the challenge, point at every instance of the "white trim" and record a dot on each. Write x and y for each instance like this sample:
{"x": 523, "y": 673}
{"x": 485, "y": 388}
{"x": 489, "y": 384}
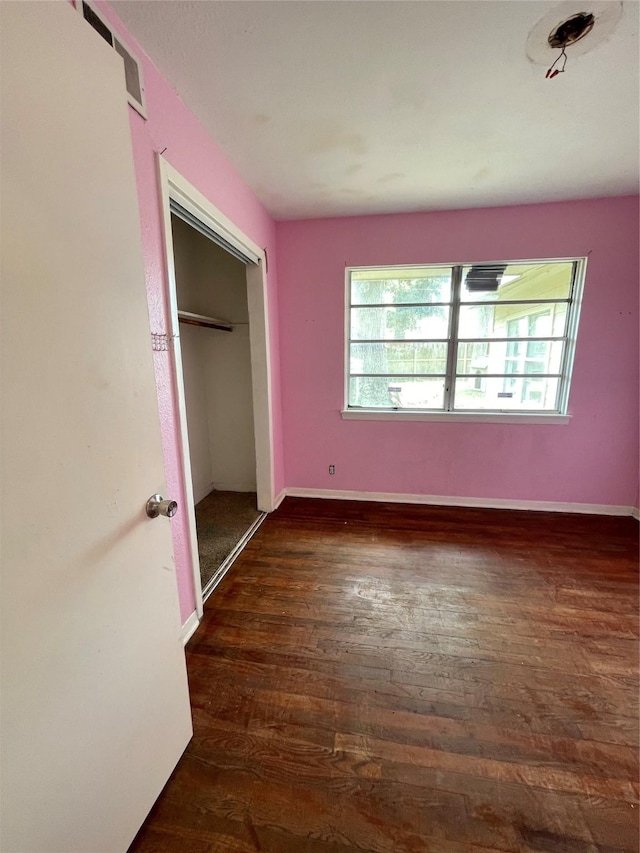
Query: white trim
{"x": 173, "y": 185}
{"x": 222, "y": 486}
{"x": 259, "y": 337}
{"x": 466, "y": 263}
{"x": 444, "y": 500}
{"x": 571, "y": 332}
{"x": 346, "y": 334}
{"x": 202, "y": 493}
{"x": 460, "y": 417}
{"x": 635, "y": 512}
{"x": 199, "y": 206}
{"x": 178, "y": 379}
{"x": 279, "y": 498}
{"x": 573, "y": 302}
{"x": 189, "y": 628}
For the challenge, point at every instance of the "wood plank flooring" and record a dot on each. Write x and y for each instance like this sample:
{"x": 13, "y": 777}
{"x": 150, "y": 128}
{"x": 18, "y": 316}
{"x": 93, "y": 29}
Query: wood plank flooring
{"x": 386, "y": 678}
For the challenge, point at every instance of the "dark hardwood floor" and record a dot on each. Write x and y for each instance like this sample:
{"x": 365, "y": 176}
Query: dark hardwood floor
{"x": 406, "y": 679}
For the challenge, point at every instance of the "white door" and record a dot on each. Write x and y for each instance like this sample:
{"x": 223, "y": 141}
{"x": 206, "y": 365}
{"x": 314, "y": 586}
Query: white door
{"x": 95, "y": 707}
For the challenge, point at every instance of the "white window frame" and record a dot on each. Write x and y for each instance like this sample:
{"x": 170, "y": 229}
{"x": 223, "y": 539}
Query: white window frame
{"x": 559, "y": 416}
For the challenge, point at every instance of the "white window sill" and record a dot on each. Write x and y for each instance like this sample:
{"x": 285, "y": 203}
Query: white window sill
{"x": 450, "y": 417}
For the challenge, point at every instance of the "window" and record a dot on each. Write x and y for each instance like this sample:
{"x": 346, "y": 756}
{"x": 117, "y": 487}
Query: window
{"x": 489, "y": 338}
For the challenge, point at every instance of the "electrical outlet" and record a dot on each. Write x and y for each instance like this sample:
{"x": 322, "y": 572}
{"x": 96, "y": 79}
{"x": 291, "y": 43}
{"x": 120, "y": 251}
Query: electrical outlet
{"x": 332, "y": 469}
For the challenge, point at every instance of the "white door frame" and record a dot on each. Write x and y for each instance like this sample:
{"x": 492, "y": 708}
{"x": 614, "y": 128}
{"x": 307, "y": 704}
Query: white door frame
{"x": 174, "y": 186}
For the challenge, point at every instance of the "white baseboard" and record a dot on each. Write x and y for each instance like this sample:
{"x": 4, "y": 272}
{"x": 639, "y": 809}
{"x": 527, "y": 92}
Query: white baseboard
{"x": 278, "y": 499}
{"x": 189, "y": 627}
{"x": 444, "y": 500}
{"x": 202, "y": 493}
{"x": 635, "y": 512}
{"x": 244, "y": 486}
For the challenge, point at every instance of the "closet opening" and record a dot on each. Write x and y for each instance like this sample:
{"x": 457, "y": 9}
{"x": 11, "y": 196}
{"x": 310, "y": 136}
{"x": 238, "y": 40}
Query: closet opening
{"x": 219, "y": 336}
{"x": 213, "y": 319}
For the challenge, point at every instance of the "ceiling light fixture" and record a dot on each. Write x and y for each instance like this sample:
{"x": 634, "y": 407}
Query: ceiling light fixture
{"x": 573, "y": 28}
{"x": 567, "y": 33}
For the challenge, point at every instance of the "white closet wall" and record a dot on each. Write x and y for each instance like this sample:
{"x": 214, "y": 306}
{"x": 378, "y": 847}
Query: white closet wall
{"x": 195, "y": 392}
{"x": 216, "y": 364}
{"x": 229, "y": 398}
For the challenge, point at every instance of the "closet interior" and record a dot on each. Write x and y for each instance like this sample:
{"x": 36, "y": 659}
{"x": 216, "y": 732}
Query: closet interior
{"x": 211, "y": 292}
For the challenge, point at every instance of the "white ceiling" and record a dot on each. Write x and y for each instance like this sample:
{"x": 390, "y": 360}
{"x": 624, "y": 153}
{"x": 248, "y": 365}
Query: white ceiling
{"x": 336, "y": 107}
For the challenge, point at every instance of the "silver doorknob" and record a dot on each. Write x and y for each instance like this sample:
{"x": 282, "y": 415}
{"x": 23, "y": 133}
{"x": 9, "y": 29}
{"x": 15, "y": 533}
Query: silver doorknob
{"x": 156, "y": 505}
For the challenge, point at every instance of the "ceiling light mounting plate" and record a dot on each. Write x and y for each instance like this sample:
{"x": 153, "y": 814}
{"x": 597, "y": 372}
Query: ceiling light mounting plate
{"x": 578, "y": 26}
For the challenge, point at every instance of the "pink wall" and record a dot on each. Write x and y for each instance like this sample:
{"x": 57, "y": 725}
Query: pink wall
{"x": 592, "y": 460}
{"x": 196, "y": 156}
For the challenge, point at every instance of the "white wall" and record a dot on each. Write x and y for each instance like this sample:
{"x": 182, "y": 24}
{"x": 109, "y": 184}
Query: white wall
{"x": 193, "y": 367}
{"x": 216, "y": 365}
{"x": 230, "y": 411}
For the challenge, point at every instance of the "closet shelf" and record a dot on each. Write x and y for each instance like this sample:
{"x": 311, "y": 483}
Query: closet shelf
{"x": 202, "y": 320}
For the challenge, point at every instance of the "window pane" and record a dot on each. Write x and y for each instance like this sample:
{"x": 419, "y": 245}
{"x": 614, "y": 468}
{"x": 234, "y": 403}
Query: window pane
{"x": 419, "y": 284}
{"x": 508, "y": 393}
{"x": 510, "y": 357}
{"x": 397, "y": 323}
{"x": 512, "y": 321}
{"x": 396, "y": 392}
{"x": 516, "y": 281}
{"x": 411, "y": 358}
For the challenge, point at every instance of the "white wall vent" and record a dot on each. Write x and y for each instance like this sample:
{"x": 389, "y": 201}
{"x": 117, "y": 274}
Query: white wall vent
{"x": 132, "y": 67}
